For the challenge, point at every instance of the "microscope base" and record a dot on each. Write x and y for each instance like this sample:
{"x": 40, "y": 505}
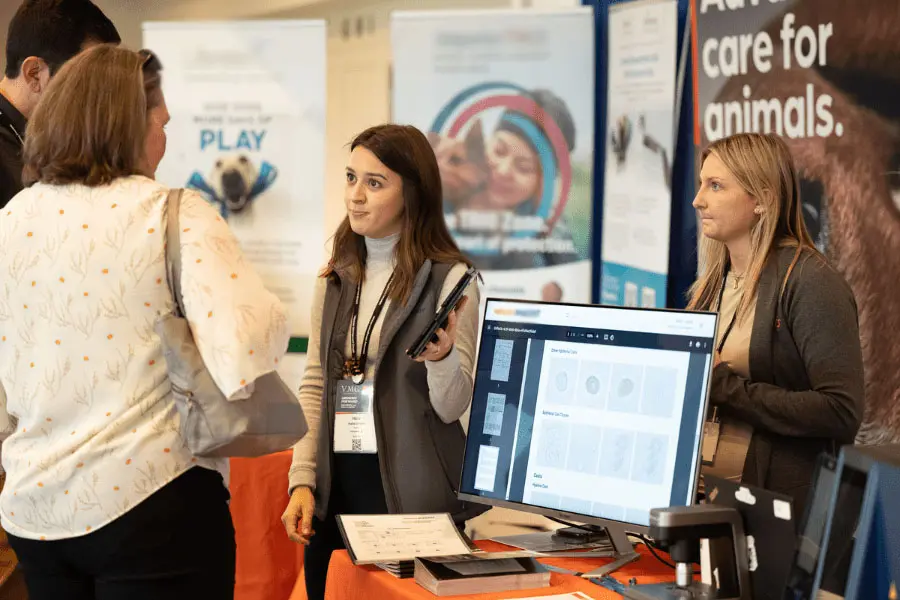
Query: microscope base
{"x": 669, "y": 591}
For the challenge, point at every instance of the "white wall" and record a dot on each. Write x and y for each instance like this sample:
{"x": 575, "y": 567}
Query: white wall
{"x": 128, "y": 15}
{"x": 7, "y": 10}
{"x": 544, "y": 4}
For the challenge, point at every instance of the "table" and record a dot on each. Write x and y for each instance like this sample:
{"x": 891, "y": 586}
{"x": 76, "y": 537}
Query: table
{"x": 349, "y": 582}
{"x": 268, "y": 563}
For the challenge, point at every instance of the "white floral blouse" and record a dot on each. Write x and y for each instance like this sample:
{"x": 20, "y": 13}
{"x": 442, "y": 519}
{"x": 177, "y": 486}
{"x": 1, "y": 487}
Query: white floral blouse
{"x": 89, "y": 422}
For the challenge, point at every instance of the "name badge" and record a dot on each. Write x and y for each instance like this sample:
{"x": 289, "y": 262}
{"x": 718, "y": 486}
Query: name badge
{"x": 354, "y": 420}
{"x": 710, "y": 442}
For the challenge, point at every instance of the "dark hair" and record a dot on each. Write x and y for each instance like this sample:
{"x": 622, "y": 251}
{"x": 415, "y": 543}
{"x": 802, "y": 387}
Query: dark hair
{"x": 55, "y": 30}
{"x": 91, "y": 124}
{"x": 404, "y": 150}
{"x": 555, "y": 108}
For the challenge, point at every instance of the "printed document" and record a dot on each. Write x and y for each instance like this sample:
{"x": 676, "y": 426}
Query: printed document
{"x": 384, "y": 538}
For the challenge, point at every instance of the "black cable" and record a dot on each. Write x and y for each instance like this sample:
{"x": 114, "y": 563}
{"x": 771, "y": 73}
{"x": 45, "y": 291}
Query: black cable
{"x": 652, "y": 548}
{"x": 645, "y": 540}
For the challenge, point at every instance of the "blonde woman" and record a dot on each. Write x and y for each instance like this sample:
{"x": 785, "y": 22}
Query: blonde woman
{"x": 102, "y": 499}
{"x": 788, "y": 379}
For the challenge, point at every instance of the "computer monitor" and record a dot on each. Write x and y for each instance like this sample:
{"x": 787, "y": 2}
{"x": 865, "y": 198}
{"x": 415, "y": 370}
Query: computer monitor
{"x": 588, "y": 413}
{"x": 812, "y": 529}
{"x": 850, "y": 496}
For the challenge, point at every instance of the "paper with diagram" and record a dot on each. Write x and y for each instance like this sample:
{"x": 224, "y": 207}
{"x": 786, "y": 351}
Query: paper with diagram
{"x": 384, "y": 538}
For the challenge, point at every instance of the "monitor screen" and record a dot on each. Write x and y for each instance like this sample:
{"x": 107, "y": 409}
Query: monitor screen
{"x": 845, "y": 513}
{"x": 593, "y": 411}
{"x": 812, "y": 528}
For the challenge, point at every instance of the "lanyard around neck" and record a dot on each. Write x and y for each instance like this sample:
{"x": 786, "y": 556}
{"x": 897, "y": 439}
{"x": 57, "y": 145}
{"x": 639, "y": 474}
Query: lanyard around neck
{"x": 355, "y": 366}
{"x": 733, "y": 317}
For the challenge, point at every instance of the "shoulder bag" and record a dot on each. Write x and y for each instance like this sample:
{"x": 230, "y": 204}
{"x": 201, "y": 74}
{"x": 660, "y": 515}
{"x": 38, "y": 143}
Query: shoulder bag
{"x": 212, "y": 426}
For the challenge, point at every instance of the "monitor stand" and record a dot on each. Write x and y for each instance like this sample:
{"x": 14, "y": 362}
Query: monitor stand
{"x": 568, "y": 542}
{"x": 561, "y": 542}
{"x": 623, "y": 553}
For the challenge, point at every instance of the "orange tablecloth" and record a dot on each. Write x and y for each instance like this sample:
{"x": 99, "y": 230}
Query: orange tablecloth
{"x": 349, "y": 582}
{"x": 268, "y": 563}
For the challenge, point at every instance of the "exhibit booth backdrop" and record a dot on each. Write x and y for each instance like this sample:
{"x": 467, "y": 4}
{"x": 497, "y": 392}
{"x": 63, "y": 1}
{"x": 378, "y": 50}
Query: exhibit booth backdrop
{"x": 506, "y": 98}
{"x": 642, "y": 87}
{"x": 247, "y": 132}
{"x": 681, "y": 219}
{"x": 823, "y": 74}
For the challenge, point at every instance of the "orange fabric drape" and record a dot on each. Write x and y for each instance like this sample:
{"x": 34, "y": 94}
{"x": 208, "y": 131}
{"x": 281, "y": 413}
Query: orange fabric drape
{"x": 349, "y": 582}
{"x": 268, "y": 563}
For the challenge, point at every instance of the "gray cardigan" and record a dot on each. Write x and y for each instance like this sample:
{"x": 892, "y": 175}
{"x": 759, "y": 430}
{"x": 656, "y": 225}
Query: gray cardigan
{"x": 420, "y": 456}
{"x": 805, "y": 393}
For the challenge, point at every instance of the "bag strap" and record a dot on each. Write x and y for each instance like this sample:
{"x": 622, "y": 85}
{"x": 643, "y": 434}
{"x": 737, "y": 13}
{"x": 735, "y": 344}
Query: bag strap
{"x": 173, "y": 248}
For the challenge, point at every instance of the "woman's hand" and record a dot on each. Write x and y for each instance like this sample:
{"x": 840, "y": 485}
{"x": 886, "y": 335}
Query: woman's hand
{"x": 446, "y": 338}
{"x": 297, "y": 517}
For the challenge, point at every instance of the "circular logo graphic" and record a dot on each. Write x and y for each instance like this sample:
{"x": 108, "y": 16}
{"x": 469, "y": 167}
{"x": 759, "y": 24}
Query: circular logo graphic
{"x": 593, "y": 385}
{"x": 527, "y": 115}
{"x": 626, "y": 386}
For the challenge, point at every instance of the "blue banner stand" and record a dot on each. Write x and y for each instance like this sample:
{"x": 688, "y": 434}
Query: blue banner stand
{"x": 683, "y": 224}
{"x": 875, "y": 569}
{"x": 874, "y": 550}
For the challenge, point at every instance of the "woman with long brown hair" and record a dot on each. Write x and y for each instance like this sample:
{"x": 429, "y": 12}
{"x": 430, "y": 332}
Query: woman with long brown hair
{"x": 103, "y": 498}
{"x": 393, "y": 262}
{"x": 788, "y": 376}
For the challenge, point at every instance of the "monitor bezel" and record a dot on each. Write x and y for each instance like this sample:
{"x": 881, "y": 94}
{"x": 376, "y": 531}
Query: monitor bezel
{"x": 553, "y": 513}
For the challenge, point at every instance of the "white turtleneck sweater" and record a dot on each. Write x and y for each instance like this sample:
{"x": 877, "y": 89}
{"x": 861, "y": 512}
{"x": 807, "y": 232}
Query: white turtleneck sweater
{"x": 449, "y": 380}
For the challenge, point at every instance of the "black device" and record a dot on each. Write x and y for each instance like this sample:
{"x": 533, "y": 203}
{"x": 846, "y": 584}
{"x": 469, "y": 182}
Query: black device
{"x": 812, "y": 530}
{"x": 848, "y": 504}
{"x": 769, "y": 522}
{"x": 679, "y": 530}
{"x": 443, "y": 314}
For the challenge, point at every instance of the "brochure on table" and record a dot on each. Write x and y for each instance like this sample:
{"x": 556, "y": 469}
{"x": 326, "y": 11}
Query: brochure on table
{"x": 373, "y": 539}
{"x": 387, "y": 540}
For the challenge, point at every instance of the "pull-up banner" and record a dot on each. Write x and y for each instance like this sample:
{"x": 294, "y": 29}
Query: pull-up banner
{"x": 248, "y": 133}
{"x": 639, "y": 146}
{"x": 825, "y": 75}
{"x": 507, "y": 100}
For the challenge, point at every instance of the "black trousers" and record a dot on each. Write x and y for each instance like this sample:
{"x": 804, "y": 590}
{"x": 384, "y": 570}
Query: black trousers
{"x": 178, "y": 544}
{"x": 356, "y": 489}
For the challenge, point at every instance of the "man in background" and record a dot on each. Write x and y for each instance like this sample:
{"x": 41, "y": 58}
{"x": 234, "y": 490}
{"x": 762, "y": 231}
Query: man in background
{"x": 43, "y": 35}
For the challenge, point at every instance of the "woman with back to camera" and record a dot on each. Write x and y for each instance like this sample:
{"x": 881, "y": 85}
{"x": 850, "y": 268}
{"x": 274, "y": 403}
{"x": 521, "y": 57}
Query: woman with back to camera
{"x": 103, "y": 500}
{"x": 788, "y": 375}
{"x": 393, "y": 262}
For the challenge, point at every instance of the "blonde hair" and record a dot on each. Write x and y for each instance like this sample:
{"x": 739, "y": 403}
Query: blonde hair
{"x": 764, "y": 168}
{"x": 91, "y": 124}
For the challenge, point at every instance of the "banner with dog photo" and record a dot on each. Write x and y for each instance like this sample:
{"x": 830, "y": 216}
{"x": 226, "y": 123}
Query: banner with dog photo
{"x": 507, "y": 101}
{"x": 247, "y": 131}
{"x": 824, "y": 75}
{"x": 639, "y": 147}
